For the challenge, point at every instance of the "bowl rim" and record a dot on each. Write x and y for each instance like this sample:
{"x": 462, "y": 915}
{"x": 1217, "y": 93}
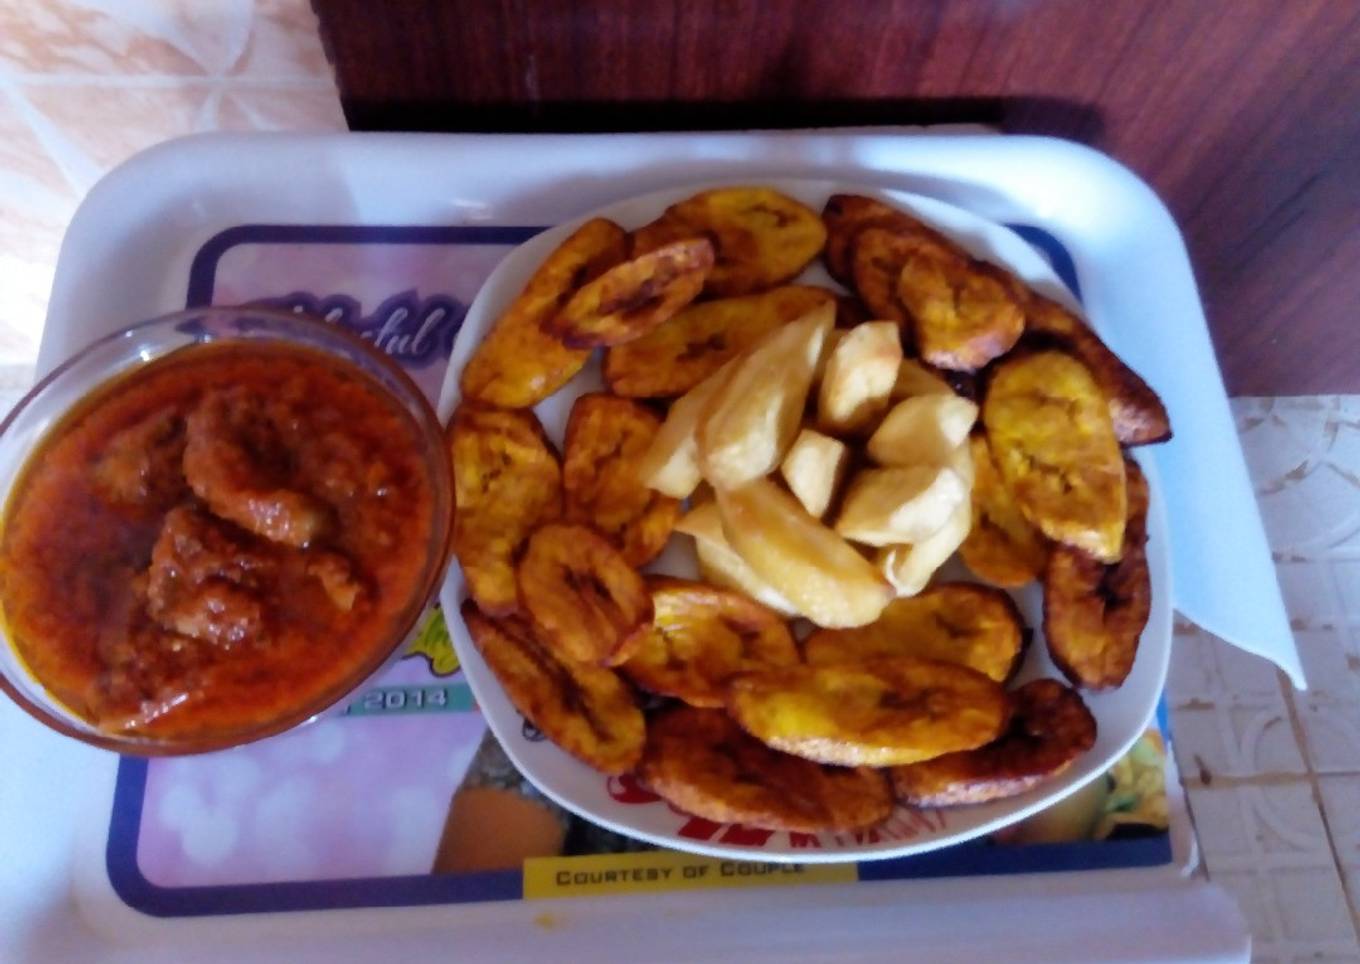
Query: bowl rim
{"x": 428, "y": 428}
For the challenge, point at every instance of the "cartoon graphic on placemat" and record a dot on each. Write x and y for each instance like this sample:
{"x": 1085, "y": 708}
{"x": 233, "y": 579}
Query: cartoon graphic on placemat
{"x": 1127, "y": 803}
{"x": 432, "y": 641}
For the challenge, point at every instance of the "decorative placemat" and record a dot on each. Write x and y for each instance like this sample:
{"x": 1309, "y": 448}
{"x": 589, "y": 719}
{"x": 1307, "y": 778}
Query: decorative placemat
{"x": 405, "y": 798}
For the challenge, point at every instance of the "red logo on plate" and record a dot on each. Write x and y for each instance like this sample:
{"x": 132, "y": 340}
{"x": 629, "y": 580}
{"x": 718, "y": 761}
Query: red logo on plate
{"x": 905, "y": 824}
{"x": 626, "y": 789}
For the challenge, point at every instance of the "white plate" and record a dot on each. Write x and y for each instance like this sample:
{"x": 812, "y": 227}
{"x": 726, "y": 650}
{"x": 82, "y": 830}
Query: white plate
{"x": 620, "y": 805}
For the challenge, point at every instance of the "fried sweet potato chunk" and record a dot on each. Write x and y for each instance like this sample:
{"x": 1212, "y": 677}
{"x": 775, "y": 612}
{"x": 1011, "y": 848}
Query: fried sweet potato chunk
{"x": 960, "y": 459}
{"x": 923, "y": 430}
{"x": 955, "y": 622}
{"x": 701, "y": 338}
{"x": 964, "y": 311}
{"x": 606, "y": 439}
{"x": 813, "y": 467}
{"x": 1052, "y": 440}
{"x": 1002, "y": 547}
{"x": 751, "y": 421}
{"x": 518, "y": 364}
{"x": 1139, "y": 416}
{"x": 671, "y": 463}
{"x": 908, "y": 568}
{"x": 702, "y": 763}
{"x": 882, "y": 712}
{"x": 900, "y": 505}
{"x": 633, "y": 298}
{"x": 833, "y": 338}
{"x": 584, "y": 600}
{"x": 1051, "y": 728}
{"x": 506, "y": 482}
{"x": 700, "y": 637}
{"x": 858, "y": 377}
{"x": 762, "y": 238}
{"x": 586, "y": 710}
{"x": 1094, "y": 613}
{"x": 803, "y": 560}
{"x": 719, "y": 563}
{"x": 915, "y": 379}
{"x": 846, "y": 215}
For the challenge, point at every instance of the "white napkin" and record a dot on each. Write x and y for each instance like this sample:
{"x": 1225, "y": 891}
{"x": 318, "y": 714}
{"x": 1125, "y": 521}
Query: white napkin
{"x": 1221, "y": 564}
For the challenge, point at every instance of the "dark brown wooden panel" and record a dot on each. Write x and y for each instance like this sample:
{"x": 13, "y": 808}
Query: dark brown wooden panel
{"x": 1243, "y": 114}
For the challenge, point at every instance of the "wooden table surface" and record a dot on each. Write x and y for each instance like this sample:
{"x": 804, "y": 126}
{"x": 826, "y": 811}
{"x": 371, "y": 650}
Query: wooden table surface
{"x": 1243, "y": 114}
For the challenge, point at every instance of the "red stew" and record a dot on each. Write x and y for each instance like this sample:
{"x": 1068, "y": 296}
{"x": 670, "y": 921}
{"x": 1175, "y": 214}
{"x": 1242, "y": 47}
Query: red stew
{"x": 225, "y": 536}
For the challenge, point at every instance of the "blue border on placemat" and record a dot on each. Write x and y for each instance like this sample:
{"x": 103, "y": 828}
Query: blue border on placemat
{"x": 203, "y": 269}
{"x": 965, "y": 859}
{"x": 133, "y": 888}
{"x": 131, "y": 885}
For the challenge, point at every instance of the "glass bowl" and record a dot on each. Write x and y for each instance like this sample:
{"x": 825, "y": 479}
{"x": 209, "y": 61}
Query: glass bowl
{"x": 28, "y": 424}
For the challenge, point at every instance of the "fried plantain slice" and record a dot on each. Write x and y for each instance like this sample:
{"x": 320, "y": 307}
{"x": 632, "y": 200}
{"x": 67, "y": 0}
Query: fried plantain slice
{"x": 964, "y": 311}
{"x": 1094, "y": 613}
{"x": 584, "y": 600}
{"x": 1052, "y": 440}
{"x": 761, "y": 238}
{"x": 1139, "y": 416}
{"x": 876, "y": 259}
{"x": 633, "y": 298}
{"x": 518, "y": 364}
{"x": 954, "y": 622}
{"x": 700, "y": 636}
{"x": 1002, "y": 547}
{"x": 701, "y": 338}
{"x": 702, "y": 763}
{"x": 586, "y": 710}
{"x": 1051, "y": 728}
{"x": 665, "y": 230}
{"x": 887, "y": 711}
{"x": 606, "y": 439}
{"x": 846, "y": 215}
{"x": 506, "y": 482}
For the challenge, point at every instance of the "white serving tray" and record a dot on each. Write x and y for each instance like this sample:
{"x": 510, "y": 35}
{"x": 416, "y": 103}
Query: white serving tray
{"x": 126, "y": 257}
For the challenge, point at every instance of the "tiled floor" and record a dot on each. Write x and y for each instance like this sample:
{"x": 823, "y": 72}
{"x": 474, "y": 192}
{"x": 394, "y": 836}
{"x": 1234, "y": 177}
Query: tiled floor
{"x": 1273, "y": 776}
{"x": 84, "y": 84}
